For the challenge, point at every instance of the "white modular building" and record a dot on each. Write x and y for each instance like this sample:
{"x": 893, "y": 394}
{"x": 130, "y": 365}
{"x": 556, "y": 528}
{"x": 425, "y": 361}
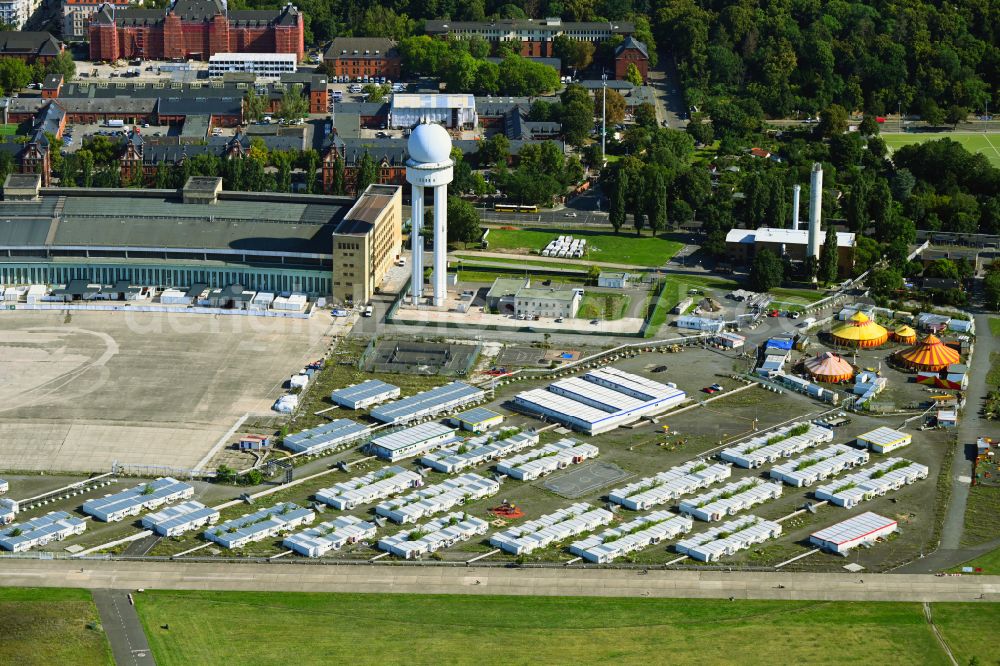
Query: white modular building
{"x": 181, "y": 518}
{"x": 860, "y": 530}
{"x": 477, "y": 419}
{"x": 134, "y": 501}
{"x": 669, "y": 485}
{"x": 4, "y": 486}
{"x": 54, "y": 526}
{"x": 693, "y": 323}
{"x": 730, "y": 499}
{"x": 884, "y": 439}
{"x": 536, "y": 463}
{"x": 371, "y": 487}
{"x": 332, "y": 435}
{"x": 729, "y": 340}
{"x": 259, "y": 525}
{"x": 262, "y": 65}
{"x": 819, "y": 465}
{"x": 600, "y": 400}
{"x": 551, "y": 528}
{"x": 434, "y": 535}
{"x": 411, "y": 441}
{"x": 365, "y": 394}
{"x": 875, "y": 481}
{"x": 439, "y": 400}
{"x": 454, "y": 111}
{"x": 334, "y": 534}
{"x": 776, "y": 445}
{"x": 437, "y": 498}
{"x": 728, "y": 538}
{"x": 635, "y": 535}
{"x": 8, "y": 511}
{"x": 456, "y": 458}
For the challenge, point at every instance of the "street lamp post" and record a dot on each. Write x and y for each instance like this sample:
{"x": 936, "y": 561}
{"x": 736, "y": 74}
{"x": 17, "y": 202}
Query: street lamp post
{"x": 604, "y": 112}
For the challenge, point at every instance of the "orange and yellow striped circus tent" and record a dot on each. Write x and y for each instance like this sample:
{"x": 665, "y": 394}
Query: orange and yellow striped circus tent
{"x": 929, "y": 354}
{"x": 905, "y": 334}
{"x": 828, "y": 367}
{"x": 860, "y": 331}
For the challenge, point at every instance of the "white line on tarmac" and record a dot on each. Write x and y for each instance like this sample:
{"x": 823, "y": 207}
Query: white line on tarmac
{"x": 479, "y": 557}
{"x": 797, "y": 557}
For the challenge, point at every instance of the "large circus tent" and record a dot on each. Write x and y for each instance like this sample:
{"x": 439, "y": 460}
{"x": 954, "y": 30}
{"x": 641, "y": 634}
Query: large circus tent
{"x": 929, "y": 354}
{"x": 859, "y": 331}
{"x": 829, "y": 367}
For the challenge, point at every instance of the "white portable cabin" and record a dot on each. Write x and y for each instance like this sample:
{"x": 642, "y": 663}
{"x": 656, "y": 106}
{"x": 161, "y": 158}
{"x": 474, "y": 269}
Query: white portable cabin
{"x": 536, "y": 463}
{"x": 776, "y": 445}
{"x": 175, "y": 520}
{"x": 371, "y": 487}
{"x": 440, "y": 497}
{"x": 728, "y": 538}
{"x": 443, "y": 532}
{"x": 259, "y": 525}
{"x": 454, "y": 459}
{"x": 819, "y": 465}
{"x": 133, "y": 501}
{"x": 635, "y": 535}
{"x": 551, "y": 528}
{"x": 669, "y": 485}
{"x": 869, "y": 483}
{"x": 334, "y": 534}
{"x": 730, "y": 499}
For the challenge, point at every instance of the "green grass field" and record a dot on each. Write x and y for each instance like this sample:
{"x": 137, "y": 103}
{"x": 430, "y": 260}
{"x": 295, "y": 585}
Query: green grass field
{"x": 623, "y": 248}
{"x": 603, "y": 306}
{"x": 982, "y": 515}
{"x": 989, "y": 563}
{"x": 518, "y": 262}
{"x": 676, "y": 290}
{"x": 974, "y": 142}
{"x": 487, "y": 274}
{"x": 995, "y": 326}
{"x": 8, "y": 129}
{"x": 205, "y": 627}
{"x": 50, "y": 626}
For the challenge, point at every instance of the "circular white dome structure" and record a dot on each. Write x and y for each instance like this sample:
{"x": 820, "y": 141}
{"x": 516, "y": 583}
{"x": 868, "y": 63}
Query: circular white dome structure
{"x": 429, "y": 143}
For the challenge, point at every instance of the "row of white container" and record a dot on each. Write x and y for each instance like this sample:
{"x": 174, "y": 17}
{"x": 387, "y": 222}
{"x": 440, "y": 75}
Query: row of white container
{"x": 669, "y": 485}
{"x": 536, "y": 463}
{"x": 730, "y": 499}
{"x": 869, "y": 483}
{"x": 551, "y": 528}
{"x": 775, "y": 445}
{"x": 433, "y": 535}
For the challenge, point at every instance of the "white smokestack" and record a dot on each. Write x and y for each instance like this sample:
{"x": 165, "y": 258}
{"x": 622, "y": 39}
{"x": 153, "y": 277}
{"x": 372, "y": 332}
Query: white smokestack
{"x": 815, "y": 210}
{"x": 796, "y": 193}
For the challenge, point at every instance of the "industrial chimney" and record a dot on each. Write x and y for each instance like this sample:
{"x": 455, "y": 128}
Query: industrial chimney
{"x": 796, "y": 193}
{"x": 815, "y": 210}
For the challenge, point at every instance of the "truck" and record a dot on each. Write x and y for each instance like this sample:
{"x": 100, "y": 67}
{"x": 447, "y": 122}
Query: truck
{"x": 116, "y": 123}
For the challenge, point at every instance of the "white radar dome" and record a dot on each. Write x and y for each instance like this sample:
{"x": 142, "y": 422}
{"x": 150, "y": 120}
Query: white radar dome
{"x": 429, "y": 144}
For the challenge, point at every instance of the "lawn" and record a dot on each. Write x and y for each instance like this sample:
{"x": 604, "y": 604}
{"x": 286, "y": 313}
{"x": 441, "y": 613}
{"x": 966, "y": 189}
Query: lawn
{"x": 989, "y": 563}
{"x": 8, "y": 129}
{"x": 993, "y": 376}
{"x": 425, "y": 629}
{"x": 974, "y": 142}
{"x": 995, "y": 326}
{"x": 961, "y": 626}
{"x": 50, "y": 626}
{"x": 801, "y": 296}
{"x": 603, "y": 306}
{"x": 487, "y": 275}
{"x": 982, "y": 515}
{"x": 603, "y": 246}
{"x": 676, "y": 290}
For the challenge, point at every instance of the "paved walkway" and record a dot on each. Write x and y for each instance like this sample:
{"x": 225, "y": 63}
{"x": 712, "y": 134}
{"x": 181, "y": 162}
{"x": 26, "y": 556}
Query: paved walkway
{"x": 123, "y": 628}
{"x": 482, "y": 580}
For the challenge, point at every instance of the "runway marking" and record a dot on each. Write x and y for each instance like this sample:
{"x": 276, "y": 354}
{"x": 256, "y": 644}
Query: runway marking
{"x": 797, "y": 557}
{"x": 484, "y": 555}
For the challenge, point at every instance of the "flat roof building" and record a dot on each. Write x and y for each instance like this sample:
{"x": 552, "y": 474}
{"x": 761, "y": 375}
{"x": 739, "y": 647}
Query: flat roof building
{"x": 456, "y": 458}
{"x": 548, "y": 302}
{"x": 551, "y": 528}
{"x": 453, "y": 110}
{"x": 884, "y": 439}
{"x": 367, "y": 242}
{"x": 860, "y": 530}
{"x": 365, "y": 394}
{"x": 536, "y": 36}
{"x": 133, "y": 501}
{"x": 728, "y": 538}
{"x": 439, "y": 400}
{"x": 540, "y": 462}
{"x": 175, "y": 520}
{"x": 376, "y": 485}
{"x": 332, "y": 435}
{"x": 263, "y": 65}
{"x": 440, "y": 497}
{"x": 477, "y": 419}
{"x": 632, "y": 536}
{"x": 8, "y": 510}
{"x": 333, "y": 534}
{"x": 431, "y": 536}
{"x": 259, "y": 525}
{"x": 743, "y": 244}
{"x": 411, "y": 441}
{"x": 54, "y": 526}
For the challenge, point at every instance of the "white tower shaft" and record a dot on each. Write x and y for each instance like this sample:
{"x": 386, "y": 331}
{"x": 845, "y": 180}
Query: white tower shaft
{"x": 440, "y": 244}
{"x": 796, "y": 194}
{"x": 815, "y": 210}
{"x": 417, "y": 243}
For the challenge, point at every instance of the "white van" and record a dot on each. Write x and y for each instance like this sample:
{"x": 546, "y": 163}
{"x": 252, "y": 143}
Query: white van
{"x": 368, "y": 311}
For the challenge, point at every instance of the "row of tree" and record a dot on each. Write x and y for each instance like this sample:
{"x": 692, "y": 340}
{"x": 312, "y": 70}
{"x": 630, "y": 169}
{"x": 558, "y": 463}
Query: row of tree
{"x": 15, "y": 74}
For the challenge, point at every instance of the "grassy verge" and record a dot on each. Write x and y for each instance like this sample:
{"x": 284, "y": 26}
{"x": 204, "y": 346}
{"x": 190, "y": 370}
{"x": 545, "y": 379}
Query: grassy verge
{"x": 603, "y": 306}
{"x": 51, "y": 626}
{"x": 995, "y": 326}
{"x": 982, "y": 515}
{"x": 989, "y": 563}
{"x": 993, "y": 376}
{"x": 942, "y": 493}
{"x": 623, "y": 248}
{"x": 961, "y": 626}
{"x": 517, "y": 262}
{"x": 487, "y": 275}
{"x": 424, "y": 629}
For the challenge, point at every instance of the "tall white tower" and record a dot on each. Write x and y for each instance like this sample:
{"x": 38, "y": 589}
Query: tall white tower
{"x": 796, "y": 195}
{"x": 430, "y": 165}
{"x": 815, "y": 210}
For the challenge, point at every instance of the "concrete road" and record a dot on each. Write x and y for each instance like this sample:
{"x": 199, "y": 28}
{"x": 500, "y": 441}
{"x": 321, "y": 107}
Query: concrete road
{"x": 276, "y": 577}
{"x": 121, "y": 624}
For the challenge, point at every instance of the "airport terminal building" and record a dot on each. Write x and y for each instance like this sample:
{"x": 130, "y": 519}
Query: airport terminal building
{"x": 199, "y": 235}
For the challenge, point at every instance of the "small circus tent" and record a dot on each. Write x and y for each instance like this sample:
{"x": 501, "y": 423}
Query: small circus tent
{"x": 905, "y": 334}
{"x": 829, "y": 367}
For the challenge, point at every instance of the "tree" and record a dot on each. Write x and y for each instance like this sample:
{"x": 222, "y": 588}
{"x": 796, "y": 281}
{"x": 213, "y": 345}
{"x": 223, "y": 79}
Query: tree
{"x": 63, "y": 65}
{"x": 767, "y": 271}
{"x": 162, "y": 179}
{"x": 337, "y": 178}
{"x": 633, "y": 75}
{"x": 700, "y": 130}
{"x": 366, "y": 174}
{"x": 832, "y": 120}
{"x": 310, "y": 165}
{"x": 14, "y": 75}
{"x": 494, "y": 150}
{"x": 885, "y": 281}
{"x": 956, "y": 114}
{"x": 656, "y": 199}
{"x": 616, "y": 106}
{"x": 381, "y": 21}
{"x": 577, "y": 120}
{"x": 942, "y": 268}
{"x": 225, "y": 474}
{"x": 869, "y": 126}
{"x": 463, "y": 222}
{"x": 991, "y": 289}
{"x": 374, "y": 92}
{"x": 253, "y": 105}
{"x": 829, "y": 257}
{"x": 645, "y": 115}
{"x": 86, "y": 159}
{"x": 618, "y": 196}
{"x": 294, "y": 105}
{"x": 102, "y": 148}
{"x": 282, "y": 161}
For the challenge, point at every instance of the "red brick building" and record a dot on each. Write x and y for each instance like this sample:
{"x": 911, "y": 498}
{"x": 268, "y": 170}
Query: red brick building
{"x": 194, "y": 29}
{"x": 631, "y": 51}
{"x": 363, "y": 56}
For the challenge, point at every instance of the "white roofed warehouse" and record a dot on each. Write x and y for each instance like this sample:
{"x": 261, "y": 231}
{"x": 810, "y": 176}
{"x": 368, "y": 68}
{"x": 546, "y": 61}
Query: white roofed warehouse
{"x": 133, "y": 501}
{"x": 326, "y": 437}
{"x": 440, "y": 400}
{"x": 860, "y": 530}
{"x": 365, "y": 394}
{"x": 454, "y": 111}
{"x": 884, "y": 439}
{"x": 411, "y": 441}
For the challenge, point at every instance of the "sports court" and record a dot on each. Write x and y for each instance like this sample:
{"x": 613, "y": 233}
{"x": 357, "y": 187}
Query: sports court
{"x": 585, "y": 479}
{"x": 523, "y": 357}
{"x": 419, "y": 358}
{"x": 975, "y": 142}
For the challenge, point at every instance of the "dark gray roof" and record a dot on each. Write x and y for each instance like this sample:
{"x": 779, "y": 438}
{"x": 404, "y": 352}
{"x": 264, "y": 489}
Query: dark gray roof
{"x": 631, "y": 42}
{"x": 184, "y": 106}
{"x": 356, "y": 47}
{"x": 52, "y": 82}
{"x": 29, "y": 43}
{"x": 198, "y": 10}
{"x": 597, "y": 84}
{"x": 116, "y": 105}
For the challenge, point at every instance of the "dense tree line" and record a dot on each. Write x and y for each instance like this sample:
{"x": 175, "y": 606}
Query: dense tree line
{"x": 15, "y": 74}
